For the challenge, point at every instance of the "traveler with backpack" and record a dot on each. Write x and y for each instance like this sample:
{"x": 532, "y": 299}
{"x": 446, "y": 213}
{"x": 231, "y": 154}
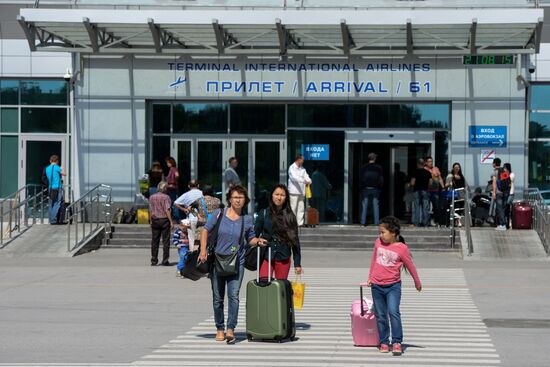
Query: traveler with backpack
{"x": 53, "y": 175}
{"x": 501, "y": 190}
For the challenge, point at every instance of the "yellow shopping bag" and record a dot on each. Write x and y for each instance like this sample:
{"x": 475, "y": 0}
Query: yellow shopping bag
{"x": 308, "y": 192}
{"x": 298, "y": 289}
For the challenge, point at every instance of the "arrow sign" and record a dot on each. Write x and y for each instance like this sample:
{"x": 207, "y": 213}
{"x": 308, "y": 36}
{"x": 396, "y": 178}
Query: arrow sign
{"x": 487, "y": 136}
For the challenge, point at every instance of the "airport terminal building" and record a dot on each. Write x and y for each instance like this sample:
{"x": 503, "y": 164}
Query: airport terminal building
{"x": 112, "y": 88}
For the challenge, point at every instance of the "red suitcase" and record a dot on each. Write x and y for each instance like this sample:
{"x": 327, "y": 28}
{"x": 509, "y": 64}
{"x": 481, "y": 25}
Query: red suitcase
{"x": 522, "y": 216}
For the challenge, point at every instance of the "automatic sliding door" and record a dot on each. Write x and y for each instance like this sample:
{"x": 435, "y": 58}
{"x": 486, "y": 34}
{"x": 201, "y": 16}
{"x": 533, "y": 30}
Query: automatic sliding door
{"x": 267, "y": 161}
{"x": 184, "y": 160}
{"x": 210, "y": 164}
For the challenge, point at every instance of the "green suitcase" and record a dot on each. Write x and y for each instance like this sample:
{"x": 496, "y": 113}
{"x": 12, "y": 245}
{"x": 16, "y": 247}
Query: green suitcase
{"x": 269, "y": 308}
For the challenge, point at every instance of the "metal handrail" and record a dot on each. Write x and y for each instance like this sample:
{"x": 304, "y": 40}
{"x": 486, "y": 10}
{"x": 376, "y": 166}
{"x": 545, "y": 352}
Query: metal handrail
{"x": 467, "y": 218}
{"x": 541, "y": 215}
{"x": 81, "y": 213}
{"x": 25, "y": 204}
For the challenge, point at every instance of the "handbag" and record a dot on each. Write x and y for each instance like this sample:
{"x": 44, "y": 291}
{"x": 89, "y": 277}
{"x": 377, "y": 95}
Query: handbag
{"x": 193, "y": 269}
{"x": 298, "y": 289}
{"x": 228, "y": 265}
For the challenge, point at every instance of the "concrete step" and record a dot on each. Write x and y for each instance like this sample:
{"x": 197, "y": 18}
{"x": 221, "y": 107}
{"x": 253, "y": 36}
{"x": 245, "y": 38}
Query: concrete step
{"x": 352, "y": 237}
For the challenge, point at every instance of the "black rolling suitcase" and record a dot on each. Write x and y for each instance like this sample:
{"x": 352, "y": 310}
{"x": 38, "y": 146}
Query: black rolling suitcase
{"x": 269, "y": 308}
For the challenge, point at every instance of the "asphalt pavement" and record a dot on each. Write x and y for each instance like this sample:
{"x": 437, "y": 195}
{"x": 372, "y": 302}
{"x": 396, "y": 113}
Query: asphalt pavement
{"x": 109, "y": 307}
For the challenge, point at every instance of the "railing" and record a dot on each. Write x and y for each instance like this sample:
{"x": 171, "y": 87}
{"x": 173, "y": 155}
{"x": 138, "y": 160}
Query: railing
{"x": 463, "y": 196}
{"x": 541, "y": 215}
{"x": 21, "y": 210}
{"x": 85, "y": 216}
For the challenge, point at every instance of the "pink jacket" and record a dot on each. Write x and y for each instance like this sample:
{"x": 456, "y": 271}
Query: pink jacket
{"x": 386, "y": 263}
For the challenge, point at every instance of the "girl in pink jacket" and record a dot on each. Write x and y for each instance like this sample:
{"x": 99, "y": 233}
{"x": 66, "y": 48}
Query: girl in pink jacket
{"x": 389, "y": 255}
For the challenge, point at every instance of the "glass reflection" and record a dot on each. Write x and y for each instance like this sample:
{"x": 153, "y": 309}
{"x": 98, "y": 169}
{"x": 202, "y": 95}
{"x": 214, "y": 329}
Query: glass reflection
{"x": 433, "y": 116}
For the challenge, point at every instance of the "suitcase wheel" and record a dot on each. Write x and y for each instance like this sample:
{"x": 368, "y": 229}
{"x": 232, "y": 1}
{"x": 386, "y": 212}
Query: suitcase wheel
{"x": 249, "y": 337}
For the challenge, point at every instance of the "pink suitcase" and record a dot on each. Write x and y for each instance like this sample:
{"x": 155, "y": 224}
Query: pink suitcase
{"x": 363, "y": 323}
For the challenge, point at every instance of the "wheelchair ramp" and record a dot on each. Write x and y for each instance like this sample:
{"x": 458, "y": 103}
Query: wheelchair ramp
{"x": 41, "y": 240}
{"x": 513, "y": 244}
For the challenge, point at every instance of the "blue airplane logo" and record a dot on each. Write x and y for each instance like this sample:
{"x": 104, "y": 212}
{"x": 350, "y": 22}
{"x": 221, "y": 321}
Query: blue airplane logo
{"x": 178, "y": 82}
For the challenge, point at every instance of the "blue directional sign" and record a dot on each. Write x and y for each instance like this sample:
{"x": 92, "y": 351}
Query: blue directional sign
{"x": 315, "y": 152}
{"x": 487, "y": 136}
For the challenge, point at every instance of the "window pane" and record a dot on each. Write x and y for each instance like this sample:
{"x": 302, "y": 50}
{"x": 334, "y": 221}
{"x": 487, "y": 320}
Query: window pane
{"x": 539, "y": 125}
{"x": 539, "y": 164}
{"x": 8, "y": 120}
{"x": 200, "y": 118}
{"x": 9, "y": 92}
{"x": 44, "y": 92}
{"x": 161, "y": 150}
{"x": 257, "y": 119}
{"x": 8, "y": 165}
{"x": 209, "y": 165}
{"x": 327, "y": 176}
{"x": 44, "y": 120}
{"x": 540, "y": 97}
{"x": 409, "y": 116}
{"x": 329, "y": 115}
{"x": 442, "y": 152}
{"x": 161, "y": 118}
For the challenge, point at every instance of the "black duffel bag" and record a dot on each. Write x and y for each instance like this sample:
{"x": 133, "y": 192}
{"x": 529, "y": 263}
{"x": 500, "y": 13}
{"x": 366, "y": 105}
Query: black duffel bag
{"x": 193, "y": 269}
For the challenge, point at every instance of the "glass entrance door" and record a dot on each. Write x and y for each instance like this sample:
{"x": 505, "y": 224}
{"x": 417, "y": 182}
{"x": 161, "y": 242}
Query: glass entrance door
{"x": 269, "y": 170}
{"x": 260, "y": 164}
{"x": 398, "y": 162}
{"x": 35, "y": 155}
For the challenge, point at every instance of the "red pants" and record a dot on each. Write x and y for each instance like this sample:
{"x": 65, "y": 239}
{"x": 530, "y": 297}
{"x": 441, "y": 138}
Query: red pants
{"x": 280, "y": 268}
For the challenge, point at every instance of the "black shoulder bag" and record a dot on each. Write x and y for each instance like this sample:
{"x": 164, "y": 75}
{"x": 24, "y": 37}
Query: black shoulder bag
{"x": 228, "y": 265}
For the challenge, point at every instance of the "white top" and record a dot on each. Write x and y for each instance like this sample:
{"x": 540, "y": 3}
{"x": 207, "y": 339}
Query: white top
{"x": 297, "y": 179}
{"x": 187, "y": 199}
{"x": 512, "y": 177}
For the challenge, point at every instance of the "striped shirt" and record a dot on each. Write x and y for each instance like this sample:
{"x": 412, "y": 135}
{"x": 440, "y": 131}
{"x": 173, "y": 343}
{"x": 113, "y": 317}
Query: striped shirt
{"x": 159, "y": 204}
{"x": 180, "y": 238}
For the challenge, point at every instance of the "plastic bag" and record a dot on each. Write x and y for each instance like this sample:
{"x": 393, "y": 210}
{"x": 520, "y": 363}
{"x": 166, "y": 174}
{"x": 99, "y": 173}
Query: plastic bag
{"x": 298, "y": 290}
{"x": 308, "y": 192}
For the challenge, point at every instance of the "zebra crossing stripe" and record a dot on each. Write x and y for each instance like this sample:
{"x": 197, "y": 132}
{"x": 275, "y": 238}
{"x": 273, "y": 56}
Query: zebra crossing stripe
{"x": 442, "y": 326}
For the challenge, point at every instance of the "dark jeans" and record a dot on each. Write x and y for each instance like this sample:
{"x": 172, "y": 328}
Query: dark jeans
{"x": 501, "y": 202}
{"x": 434, "y": 199}
{"x": 219, "y": 284}
{"x": 160, "y": 227}
{"x": 387, "y": 299}
{"x": 421, "y": 208}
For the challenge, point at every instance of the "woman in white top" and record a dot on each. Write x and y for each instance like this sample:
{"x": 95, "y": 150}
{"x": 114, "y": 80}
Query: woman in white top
{"x": 508, "y": 167}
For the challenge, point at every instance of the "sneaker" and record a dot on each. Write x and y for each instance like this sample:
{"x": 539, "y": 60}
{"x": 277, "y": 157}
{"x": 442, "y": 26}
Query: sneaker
{"x": 396, "y": 349}
{"x": 178, "y": 273}
{"x": 500, "y": 228}
{"x": 384, "y": 348}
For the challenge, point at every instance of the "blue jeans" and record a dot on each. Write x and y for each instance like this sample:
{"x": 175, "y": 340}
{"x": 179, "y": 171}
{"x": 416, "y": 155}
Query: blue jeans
{"x": 366, "y": 195}
{"x": 54, "y": 207}
{"x": 501, "y": 202}
{"x": 218, "y": 294}
{"x": 182, "y": 254}
{"x": 421, "y": 207}
{"x": 386, "y": 303}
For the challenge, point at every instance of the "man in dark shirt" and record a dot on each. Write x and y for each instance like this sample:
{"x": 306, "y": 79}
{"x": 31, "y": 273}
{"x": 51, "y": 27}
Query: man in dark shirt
{"x": 372, "y": 180}
{"x": 421, "y": 199}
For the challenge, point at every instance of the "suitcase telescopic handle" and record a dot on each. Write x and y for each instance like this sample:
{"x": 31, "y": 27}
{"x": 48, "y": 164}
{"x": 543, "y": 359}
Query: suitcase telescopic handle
{"x": 361, "y": 299}
{"x": 268, "y": 265}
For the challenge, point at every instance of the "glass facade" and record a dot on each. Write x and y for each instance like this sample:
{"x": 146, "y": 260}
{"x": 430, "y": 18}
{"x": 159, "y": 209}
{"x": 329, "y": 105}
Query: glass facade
{"x": 34, "y": 106}
{"x": 411, "y": 116}
{"x": 202, "y": 136}
{"x": 539, "y": 136}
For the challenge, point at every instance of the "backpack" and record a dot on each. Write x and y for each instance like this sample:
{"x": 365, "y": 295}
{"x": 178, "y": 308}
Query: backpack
{"x": 44, "y": 178}
{"x": 208, "y": 215}
{"x": 504, "y": 182}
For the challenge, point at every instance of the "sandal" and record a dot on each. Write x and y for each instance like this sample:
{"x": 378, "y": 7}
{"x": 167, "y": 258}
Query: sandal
{"x": 220, "y": 336}
{"x": 230, "y": 338}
